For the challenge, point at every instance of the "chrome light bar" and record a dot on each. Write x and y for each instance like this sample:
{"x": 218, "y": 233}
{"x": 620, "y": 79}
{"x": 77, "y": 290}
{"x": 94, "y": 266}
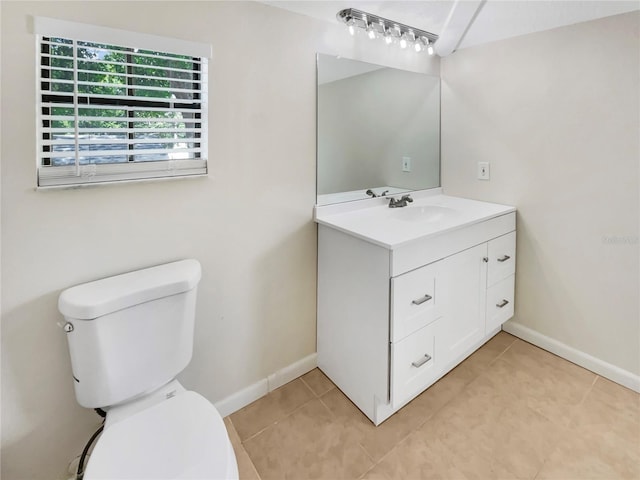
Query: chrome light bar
{"x": 392, "y": 32}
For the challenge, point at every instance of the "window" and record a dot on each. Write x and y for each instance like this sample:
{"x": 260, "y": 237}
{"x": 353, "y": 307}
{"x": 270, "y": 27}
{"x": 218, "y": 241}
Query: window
{"x": 118, "y": 106}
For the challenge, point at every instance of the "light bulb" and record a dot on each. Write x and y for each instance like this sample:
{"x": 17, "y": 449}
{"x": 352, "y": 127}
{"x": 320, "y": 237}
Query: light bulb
{"x": 371, "y": 33}
{"x": 430, "y": 49}
{"x": 352, "y": 28}
{"x": 403, "y": 41}
{"x": 417, "y": 46}
{"x": 387, "y": 37}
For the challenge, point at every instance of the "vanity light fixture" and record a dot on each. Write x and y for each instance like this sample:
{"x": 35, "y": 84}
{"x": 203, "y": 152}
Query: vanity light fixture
{"x": 392, "y": 32}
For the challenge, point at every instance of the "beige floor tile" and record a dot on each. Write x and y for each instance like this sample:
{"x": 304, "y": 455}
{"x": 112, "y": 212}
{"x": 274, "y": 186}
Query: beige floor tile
{"x": 610, "y": 408}
{"x": 376, "y": 441}
{"x": 445, "y": 389}
{"x": 535, "y": 359}
{"x": 463, "y": 422}
{"x": 419, "y": 457}
{"x": 231, "y": 431}
{"x": 246, "y": 469}
{"x": 617, "y": 396}
{"x": 376, "y": 473}
{"x": 511, "y": 410}
{"x": 546, "y": 389}
{"x": 310, "y": 443}
{"x": 422, "y": 456}
{"x": 269, "y": 409}
{"x": 318, "y": 382}
{"x": 521, "y": 439}
{"x": 583, "y": 454}
{"x": 482, "y": 358}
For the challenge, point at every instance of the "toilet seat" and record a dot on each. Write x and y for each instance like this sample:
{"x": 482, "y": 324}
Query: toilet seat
{"x": 182, "y": 437}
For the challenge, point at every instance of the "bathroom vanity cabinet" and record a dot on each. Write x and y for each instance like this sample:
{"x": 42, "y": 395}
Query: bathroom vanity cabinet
{"x": 396, "y": 314}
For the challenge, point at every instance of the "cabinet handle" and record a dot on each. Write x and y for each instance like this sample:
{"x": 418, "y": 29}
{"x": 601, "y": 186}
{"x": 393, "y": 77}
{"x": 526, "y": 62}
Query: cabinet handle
{"x": 502, "y": 303}
{"x": 485, "y": 259}
{"x": 504, "y": 258}
{"x": 422, "y": 361}
{"x": 420, "y": 301}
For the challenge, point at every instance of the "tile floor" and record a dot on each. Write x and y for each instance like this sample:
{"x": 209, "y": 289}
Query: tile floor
{"x": 511, "y": 410}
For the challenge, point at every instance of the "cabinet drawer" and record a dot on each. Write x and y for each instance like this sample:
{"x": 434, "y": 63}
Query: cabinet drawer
{"x": 413, "y": 365}
{"x": 500, "y": 303}
{"x": 502, "y": 258}
{"x": 415, "y": 301}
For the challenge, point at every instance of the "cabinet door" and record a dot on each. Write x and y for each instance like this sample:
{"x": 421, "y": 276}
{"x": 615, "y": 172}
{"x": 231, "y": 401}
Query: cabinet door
{"x": 464, "y": 282}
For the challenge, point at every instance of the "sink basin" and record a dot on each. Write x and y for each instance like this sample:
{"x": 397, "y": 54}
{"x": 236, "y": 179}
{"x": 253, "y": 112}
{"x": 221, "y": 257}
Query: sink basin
{"x": 421, "y": 213}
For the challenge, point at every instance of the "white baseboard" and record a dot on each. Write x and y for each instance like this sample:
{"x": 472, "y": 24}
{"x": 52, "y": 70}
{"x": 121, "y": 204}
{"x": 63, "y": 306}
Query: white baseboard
{"x": 293, "y": 371}
{"x": 253, "y": 392}
{"x": 602, "y": 368}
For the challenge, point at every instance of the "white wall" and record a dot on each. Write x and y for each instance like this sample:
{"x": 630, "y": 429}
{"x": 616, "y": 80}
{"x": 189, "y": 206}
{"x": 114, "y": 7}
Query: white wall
{"x": 557, "y": 115}
{"x": 249, "y": 223}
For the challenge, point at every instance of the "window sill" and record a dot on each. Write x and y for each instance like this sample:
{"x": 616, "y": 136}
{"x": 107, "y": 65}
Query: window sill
{"x": 118, "y": 182}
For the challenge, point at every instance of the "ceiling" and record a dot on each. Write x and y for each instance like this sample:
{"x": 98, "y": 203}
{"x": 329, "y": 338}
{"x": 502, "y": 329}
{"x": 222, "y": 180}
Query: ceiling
{"x": 465, "y": 23}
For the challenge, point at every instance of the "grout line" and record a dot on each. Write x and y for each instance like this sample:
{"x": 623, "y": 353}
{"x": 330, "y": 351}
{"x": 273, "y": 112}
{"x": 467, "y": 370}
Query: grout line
{"x": 241, "y": 446}
{"x": 308, "y": 386}
{"x": 373, "y": 460}
{"x": 280, "y": 418}
{"x": 364, "y": 450}
{"x": 372, "y": 467}
{"x": 253, "y": 465}
{"x": 318, "y": 395}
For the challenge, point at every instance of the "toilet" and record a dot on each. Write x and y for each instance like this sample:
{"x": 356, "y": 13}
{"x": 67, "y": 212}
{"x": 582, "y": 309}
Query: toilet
{"x": 129, "y": 336}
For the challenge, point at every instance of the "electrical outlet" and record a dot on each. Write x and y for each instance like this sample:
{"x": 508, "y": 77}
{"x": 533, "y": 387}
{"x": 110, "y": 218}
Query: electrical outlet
{"x": 406, "y": 164}
{"x": 483, "y": 170}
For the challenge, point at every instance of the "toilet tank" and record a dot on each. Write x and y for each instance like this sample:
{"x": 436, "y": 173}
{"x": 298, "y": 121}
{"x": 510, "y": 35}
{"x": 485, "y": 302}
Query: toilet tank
{"x": 131, "y": 333}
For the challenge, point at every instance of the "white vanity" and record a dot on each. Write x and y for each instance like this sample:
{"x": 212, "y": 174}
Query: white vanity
{"x": 405, "y": 294}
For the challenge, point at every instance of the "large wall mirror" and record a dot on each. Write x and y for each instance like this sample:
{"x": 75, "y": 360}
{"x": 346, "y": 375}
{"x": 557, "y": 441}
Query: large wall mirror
{"x": 378, "y": 129}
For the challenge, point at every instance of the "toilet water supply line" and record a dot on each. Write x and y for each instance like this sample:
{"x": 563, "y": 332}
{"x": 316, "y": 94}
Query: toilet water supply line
{"x": 80, "y": 473}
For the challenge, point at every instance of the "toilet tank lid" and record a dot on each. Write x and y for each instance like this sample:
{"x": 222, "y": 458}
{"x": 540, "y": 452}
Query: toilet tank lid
{"x": 101, "y": 297}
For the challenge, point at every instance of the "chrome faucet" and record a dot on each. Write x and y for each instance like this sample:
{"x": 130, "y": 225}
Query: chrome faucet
{"x": 372, "y": 194}
{"x": 394, "y": 203}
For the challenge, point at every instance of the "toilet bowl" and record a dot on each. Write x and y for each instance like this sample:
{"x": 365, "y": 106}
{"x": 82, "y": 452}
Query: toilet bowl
{"x": 128, "y": 337}
{"x": 183, "y": 437}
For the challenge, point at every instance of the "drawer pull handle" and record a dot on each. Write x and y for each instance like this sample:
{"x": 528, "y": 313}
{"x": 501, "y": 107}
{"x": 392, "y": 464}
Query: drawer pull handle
{"x": 422, "y": 361}
{"x": 502, "y": 303}
{"x": 504, "y": 259}
{"x": 420, "y": 301}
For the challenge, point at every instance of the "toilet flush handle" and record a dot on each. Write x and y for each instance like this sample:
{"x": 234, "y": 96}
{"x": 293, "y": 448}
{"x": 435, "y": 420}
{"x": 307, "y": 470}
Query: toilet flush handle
{"x": 67, "y": 327}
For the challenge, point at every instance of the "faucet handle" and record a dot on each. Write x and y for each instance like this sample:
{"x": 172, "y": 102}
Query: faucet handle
{"x": 407, "y": 198}
{"x": 371, "y": 193}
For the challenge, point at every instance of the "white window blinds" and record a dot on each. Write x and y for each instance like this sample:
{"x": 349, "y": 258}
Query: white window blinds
{"x": 112, "y": 107}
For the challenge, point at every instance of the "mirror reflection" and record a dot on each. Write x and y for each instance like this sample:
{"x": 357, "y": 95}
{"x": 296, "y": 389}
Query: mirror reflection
{"x": 378, "y": 130}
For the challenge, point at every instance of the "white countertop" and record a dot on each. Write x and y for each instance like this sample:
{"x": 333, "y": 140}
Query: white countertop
{"x": 430, "y": 214}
